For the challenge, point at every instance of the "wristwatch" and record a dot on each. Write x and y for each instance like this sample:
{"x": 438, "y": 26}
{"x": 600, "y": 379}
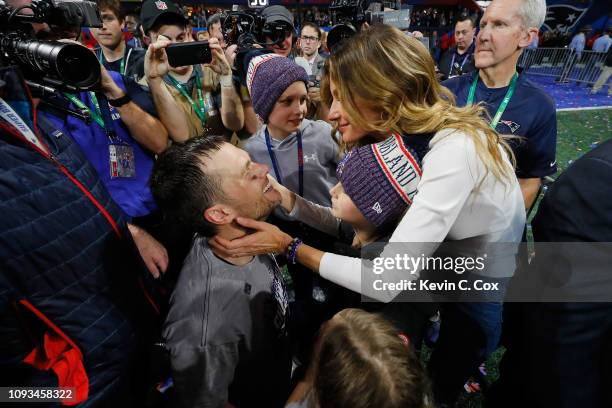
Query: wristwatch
{"x": 119, "y": 101}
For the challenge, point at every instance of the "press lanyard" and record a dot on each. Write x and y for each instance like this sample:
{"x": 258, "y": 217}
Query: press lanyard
{"x": 502, "y": 105}
{"x": 462, "y": 64}
{"x": 121, "y": 63}
{"x": 8, "y": 114}
{"x": 199, "y": 110}
{"x": 300, "y": 160}
{"x": 102, "y": 118}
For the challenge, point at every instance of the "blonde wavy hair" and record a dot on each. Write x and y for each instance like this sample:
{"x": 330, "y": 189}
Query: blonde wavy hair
{"x": 394, "y": 74}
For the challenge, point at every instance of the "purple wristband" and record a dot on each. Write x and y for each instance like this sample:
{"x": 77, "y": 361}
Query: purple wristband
{"x": 292, "y": 252}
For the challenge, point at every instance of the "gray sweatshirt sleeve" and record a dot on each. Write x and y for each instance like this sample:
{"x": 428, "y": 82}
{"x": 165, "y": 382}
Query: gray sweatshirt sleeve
{"x": 204, "y": 379}
{"x": 316, "y": 216}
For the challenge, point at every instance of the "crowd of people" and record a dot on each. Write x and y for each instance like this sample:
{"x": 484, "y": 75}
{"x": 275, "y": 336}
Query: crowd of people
{"x": 207, "y": 238}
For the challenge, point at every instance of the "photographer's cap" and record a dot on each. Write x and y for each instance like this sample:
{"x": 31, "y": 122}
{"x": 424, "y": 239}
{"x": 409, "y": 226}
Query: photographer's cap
{"x": 153, "y": 9}
{"x": 278, "y": 13}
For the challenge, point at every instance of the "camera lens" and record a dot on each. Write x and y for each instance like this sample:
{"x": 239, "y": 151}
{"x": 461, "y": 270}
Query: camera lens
{"x": 70, "y": 64}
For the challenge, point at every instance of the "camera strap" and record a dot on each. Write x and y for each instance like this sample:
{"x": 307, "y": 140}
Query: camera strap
{"x": 97, "y": 115}
{"x": 11, "y": 117}
{"x": 101, "y": 116}
{"x": 502, "y": 106}
{"x": 300, "y": 160}
{"x": 200, "y": 107}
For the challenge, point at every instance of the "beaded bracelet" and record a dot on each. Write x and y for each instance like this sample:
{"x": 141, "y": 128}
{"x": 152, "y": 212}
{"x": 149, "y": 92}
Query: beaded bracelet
{"x": 292, "y": 250}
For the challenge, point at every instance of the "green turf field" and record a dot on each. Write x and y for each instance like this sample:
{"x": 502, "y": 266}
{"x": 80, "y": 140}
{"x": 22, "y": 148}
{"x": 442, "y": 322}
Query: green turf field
{"x": 577, "y": 133}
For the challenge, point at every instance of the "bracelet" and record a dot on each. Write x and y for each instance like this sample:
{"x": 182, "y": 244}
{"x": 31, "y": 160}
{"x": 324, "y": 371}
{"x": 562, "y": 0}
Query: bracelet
{"x": 119, "y": 101}
{"x": 226, "y": 81}
{"x": 292, "y": 250}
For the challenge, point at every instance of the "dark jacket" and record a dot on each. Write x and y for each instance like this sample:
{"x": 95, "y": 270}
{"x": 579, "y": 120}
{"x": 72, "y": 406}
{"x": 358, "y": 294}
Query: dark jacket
{"x": 61, "y": 259}
{"x": 462, "y": 63}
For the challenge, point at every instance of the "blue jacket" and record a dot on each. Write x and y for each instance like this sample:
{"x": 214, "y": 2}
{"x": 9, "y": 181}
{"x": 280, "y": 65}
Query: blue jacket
{"x": 59, "y": 253}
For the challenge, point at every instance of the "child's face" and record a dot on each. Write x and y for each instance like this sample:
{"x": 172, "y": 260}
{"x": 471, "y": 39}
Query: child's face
{"x": 290, "y": 108}
{"x": 344, "y": 208}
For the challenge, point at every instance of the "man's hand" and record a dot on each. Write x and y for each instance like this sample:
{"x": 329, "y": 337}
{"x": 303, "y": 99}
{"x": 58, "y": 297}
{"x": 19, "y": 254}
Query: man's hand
{"x": 314, "y": 94}
{"x": 110, "y": 89}
{"x": 219, "y": 63}
{"x": 156, "y": 61}
{"x": 230, "y": 54}
{"x": 151, "y": 251}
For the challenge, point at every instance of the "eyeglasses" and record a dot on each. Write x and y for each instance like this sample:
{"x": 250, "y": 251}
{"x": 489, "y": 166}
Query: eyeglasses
{"x": 308, "y": 38}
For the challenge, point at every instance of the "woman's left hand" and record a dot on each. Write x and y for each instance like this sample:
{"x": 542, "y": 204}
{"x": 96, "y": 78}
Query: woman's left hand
{"x": 265, "y": 238}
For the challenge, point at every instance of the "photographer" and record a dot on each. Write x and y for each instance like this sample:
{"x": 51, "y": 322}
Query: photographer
{"x": 71, "y": 313}
{"x": 192, "y": 100}
{"x": 280, "y": 16}
{"x": 113, "y": 51}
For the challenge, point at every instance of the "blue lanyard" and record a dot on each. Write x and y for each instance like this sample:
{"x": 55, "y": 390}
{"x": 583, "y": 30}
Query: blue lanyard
{"x": 467, "y": 55}
{"x": 300, "y": 160}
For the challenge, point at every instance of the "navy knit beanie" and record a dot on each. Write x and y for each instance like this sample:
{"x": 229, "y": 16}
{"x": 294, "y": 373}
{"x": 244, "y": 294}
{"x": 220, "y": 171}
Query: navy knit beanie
{"x": 268, "y": 76}
{"x": 381, "y": 179}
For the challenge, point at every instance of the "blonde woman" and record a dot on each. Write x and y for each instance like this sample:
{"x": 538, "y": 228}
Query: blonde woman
{"x": 383, "y": 83}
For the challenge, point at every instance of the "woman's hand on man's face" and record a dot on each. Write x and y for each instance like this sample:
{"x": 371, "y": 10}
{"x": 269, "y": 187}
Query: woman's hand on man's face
{"x": 265, "y": 239}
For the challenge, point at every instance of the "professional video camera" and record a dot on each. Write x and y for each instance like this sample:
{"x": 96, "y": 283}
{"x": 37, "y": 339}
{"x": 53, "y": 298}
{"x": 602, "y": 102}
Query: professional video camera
{"x": 248, "y": 29}
{"x": 349, "y": 15}
{"x": 50, "y": 66}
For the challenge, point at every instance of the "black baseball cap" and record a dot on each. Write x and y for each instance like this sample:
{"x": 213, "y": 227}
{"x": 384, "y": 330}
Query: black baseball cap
{"x": 154, "y": 9}
{"x": 277, "y": 14}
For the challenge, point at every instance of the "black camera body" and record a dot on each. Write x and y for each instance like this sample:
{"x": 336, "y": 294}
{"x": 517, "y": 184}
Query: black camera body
{"x": 61, "y": 66}
{"x": 247, "y": 28}
{"x": 349, "y": 15}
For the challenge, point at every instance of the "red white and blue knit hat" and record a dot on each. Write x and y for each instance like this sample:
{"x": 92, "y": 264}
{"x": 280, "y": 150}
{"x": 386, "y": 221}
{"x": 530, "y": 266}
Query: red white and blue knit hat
{"x": 268, "y": 76}
{"x": 381, "y": 179}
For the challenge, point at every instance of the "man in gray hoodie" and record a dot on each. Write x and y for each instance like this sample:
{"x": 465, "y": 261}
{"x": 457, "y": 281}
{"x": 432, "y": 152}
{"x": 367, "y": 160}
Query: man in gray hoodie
{"x": 226, "y": 326}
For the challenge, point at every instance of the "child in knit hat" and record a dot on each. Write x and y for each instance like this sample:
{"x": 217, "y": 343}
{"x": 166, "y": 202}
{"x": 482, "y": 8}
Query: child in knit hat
{"x": 376, "y": 185}
{"x": 300, "y": 152}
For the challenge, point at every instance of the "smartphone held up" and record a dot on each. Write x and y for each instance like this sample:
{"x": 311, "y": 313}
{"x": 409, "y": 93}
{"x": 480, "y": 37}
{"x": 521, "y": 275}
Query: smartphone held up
{"x": 189, "y": 53}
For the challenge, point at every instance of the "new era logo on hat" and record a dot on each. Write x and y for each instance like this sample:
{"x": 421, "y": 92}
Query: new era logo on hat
{"x": 377, "y": 207}
{"x": 161, "y": 5}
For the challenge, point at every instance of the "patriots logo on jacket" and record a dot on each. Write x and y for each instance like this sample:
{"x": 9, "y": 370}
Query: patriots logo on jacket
{"x": 161, "y": 5}
{"x": 512, "y": 125}
{"x": 562, "y": 17}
